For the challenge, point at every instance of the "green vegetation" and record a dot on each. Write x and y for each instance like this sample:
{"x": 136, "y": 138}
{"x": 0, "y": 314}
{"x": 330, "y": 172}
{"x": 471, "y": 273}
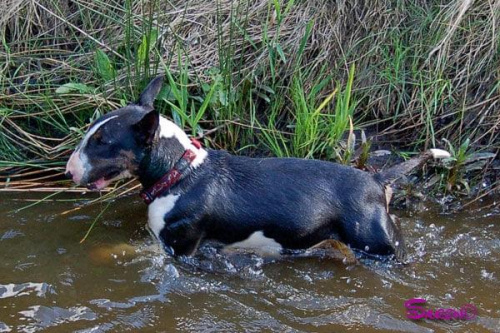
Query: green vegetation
{"x": 272, "y": 78}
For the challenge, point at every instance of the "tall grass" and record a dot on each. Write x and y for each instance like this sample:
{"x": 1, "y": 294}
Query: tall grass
{"x": 273, "y": 78}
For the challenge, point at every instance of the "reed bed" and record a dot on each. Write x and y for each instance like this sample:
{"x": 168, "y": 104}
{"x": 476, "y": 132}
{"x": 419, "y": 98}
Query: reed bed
{"x": 314, "y": 79}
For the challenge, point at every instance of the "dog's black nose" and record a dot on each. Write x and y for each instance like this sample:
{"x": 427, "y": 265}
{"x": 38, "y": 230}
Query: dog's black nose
{"x": 68, "y": 175}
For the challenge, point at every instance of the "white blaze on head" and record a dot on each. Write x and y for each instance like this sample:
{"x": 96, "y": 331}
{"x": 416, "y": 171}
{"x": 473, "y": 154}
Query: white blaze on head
{"x": 168, "y": 130}
{"x": 78, "y": 164}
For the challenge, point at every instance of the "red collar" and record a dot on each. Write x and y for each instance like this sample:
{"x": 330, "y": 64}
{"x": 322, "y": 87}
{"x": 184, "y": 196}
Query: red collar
{"x": 171, "y": 177}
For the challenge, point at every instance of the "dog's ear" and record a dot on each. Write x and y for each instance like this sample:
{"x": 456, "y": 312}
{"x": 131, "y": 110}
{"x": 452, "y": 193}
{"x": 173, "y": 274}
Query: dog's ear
{"x": 145, "y": 129}
{"x": 150, "y": 92}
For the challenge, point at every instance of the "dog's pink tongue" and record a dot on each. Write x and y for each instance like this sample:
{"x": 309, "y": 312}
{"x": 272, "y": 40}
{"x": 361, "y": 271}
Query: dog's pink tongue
{"x": 100, "y": 184}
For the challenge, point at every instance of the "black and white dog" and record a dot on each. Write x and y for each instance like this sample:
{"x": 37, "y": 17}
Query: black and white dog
{"x": 196, "y": 194}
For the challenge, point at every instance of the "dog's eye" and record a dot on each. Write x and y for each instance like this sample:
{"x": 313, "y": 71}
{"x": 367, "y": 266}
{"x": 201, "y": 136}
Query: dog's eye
{"x": 98, "y": 138}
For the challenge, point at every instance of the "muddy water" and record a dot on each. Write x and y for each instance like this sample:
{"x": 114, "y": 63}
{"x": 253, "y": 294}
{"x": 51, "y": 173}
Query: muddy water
{"x": 120, "y": 280}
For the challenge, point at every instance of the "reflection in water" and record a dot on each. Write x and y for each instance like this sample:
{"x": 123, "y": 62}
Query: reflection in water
{"x": 120, "y": 279}
{"x": 16, "y": 290}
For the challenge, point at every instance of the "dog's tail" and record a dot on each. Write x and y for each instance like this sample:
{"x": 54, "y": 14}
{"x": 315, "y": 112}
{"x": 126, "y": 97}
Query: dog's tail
{"x": 388, "y": 176}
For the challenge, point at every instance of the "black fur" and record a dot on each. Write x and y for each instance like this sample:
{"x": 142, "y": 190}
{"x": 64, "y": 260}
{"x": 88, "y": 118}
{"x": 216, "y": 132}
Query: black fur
{"x": 298, "y": 203}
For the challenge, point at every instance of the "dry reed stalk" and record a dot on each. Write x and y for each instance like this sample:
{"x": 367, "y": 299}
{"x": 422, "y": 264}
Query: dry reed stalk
{"x": 426, "y": 70}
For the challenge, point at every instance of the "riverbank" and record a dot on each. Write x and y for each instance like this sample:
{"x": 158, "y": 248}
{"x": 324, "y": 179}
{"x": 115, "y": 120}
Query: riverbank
{"x": 331, "y": 81}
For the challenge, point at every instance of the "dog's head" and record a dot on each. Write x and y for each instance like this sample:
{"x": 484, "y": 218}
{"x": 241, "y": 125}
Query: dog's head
{"x": 115, "y": 144}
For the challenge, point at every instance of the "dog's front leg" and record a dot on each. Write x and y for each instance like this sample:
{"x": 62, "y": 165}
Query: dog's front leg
{"x": 181, "y": 237}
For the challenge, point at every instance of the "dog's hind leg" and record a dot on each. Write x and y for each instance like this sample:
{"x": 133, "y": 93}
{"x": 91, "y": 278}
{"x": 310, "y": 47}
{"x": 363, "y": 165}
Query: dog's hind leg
{"x": 397, "y": 239}
{"x": 333, "y": 249}
{"x": 377, "y": 233}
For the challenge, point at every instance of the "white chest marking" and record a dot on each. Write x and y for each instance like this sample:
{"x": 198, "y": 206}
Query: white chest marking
{"x": 168, "y": 130}
{"x": 157, "y": 211}
{"x": 258, "y": 243}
